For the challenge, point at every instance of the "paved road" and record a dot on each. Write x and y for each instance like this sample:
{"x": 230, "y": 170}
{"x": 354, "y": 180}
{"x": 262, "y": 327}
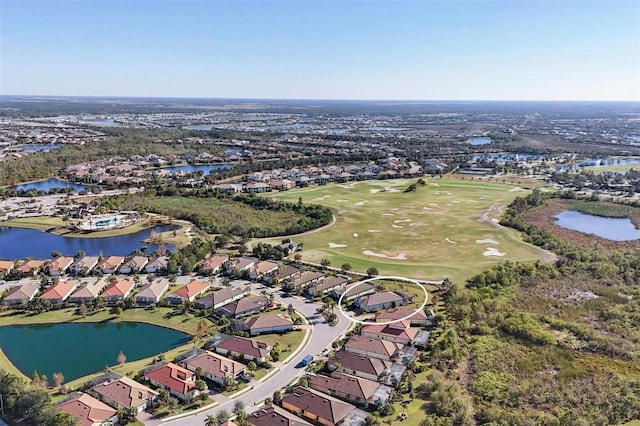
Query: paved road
{"x": 321, "y": 338}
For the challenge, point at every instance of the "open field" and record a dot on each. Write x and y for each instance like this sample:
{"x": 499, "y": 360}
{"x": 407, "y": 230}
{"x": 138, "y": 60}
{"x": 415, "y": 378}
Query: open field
{"x": 447, "y": 228}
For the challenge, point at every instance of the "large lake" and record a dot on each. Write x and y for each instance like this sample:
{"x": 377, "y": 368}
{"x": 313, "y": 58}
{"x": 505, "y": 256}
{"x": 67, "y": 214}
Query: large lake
{"x": 606, "y": 227}
{"x": 20, "y": 243}
{"x": 79, "y": 349}
{"x": 49, "y": 184}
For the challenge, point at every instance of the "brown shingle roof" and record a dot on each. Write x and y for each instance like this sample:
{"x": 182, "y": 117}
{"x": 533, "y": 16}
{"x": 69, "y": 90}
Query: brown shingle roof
{"x": 87, "y": 409}
{"x": 125, "y": 392}
{"x": 245, "y": 346}
{"x": 319, "y": 404}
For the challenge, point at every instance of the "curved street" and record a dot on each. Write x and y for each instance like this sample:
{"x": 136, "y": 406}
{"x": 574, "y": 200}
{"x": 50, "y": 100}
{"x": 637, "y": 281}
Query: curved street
{"x": 322, "y": 335}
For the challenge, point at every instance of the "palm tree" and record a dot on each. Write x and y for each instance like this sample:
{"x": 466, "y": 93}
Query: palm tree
{"x": 210, "y": 420}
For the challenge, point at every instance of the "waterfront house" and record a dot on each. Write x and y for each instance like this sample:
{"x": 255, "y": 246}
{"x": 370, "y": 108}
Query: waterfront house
{"x": 134, "y": 265}
{"x": 118, "y": 291}
{"x": 21, "y": 294}
{"x": 356, "y": 390}
{"x": 275, "y": 416}
{"x": 316, "y": 406}
{"x": 109, "y": 264}
{"x": 215, "y": 367}
{"x": 152, "y": 292}
{"x": 5, "y": 267}
{"x": 157, "y": 265}
{"x": 30, "y": 268}
{"x": 244, "y": 307}
{"x": 212, "y": 264}
{"x": 187, "y": 292}
{"x": 380, "y": 300}
{"x": 248, "y": 349}
{"x": 88, "y": 410}
{"x": 60, "y": 291}
{"x": 122, "y": 392}
{"x": 84, "y": 265}
{"x": 179, "y": 381}
{"x": 88, "y": 292}
{"x": 219, "y": 298}
{"x": 58, "y": 266}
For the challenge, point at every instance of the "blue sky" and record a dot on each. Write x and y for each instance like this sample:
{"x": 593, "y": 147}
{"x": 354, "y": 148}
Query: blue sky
{"x": 485, "y": 50}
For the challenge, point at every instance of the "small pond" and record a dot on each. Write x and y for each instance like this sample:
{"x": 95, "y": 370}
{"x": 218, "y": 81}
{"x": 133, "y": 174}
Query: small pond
{"x": 614, "y": 229}
{"x": 479, "y": 141}
{"x": 20, "y": 243}
{"x": 37, "y": 147}
{"x": 192, "y": 168}
{"x": 79, "y": 349}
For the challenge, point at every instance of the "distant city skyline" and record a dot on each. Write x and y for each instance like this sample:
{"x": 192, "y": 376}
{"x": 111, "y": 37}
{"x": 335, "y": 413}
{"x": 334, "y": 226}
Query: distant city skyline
{"x": 364, "y": 50}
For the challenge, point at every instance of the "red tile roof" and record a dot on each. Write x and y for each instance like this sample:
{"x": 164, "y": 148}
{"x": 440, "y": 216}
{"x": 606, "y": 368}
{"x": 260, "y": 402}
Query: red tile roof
{"x": 173, "y": 377}
{"x": 87, "y": 409}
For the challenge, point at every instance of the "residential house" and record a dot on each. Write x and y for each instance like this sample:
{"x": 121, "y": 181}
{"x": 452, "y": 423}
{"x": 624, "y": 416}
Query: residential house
{"x": 109, "y": 264}
{"x": 265, "y": 267}
{"x": 157, "y": 265}
{"x": 372, "y": 347}
{"x": 219, "y": 298}
{"x": 326, "y": 285}
{"x": 134, "y": 265}
{"x": 285, "y": 272}
{"x": 229, "y": 187}
{"x": 122, "y": 392}
{"x": 212, "y": 264}
{"x": 60, "y": 291}
{"x": 118, "y": 291}
{"x": 317, "y": 406}
{"x": 187, "y": 292}
{"x": 269, "y": 323}
{"x": 88, "y": 292}
{"x": 215, "y": 367}
{"x": 356, "y": 291}
{"x": 21, "y": 294}
{"x": 415, "y": 317}
{"x": 5, "y": 267}
{"x": 88, "y": 410}
{"x": 152, "y": 292}
{"x": 288, "y": 246}
{"x": 58, "y": 266}
{"x": 357, "y": 390}
{"x": 83, "y": 266}
{"x": 398, "y": 332}
{"x": 282, "y": 184}
{"x": 304, "y": 279}
{"x": 358, "y": 365}
{"x": 243, "y": 307}
{"x": 380, "y": 300}
{"x": 242, "y": 264}
{"x": 179, "y": 381}
{"x": 256, "y": 187}
{"x": 30, "y": 267}
{"x": 275, "y": 416}
{"x": 236, "y": 346}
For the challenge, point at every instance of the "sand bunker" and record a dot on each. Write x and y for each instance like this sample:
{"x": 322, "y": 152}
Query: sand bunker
{"x": 487, "y": 241}
{"x": 387, "y": 214}
{"x": 434, "y": 204}
{"x": 355, "y": 235}
{"x": 334, "y": 245}
{"x": 427, "y": 208}
{"x": 374, "y": 230}
{"x": 456, "y": 201}
{"x": 342, "y": 201}
{"x": 350, "y": 186}
{"x": 434, "y": 184}
{"x": 374, "y": 191}
{"x": 322, "y": 198}
{"x": 491, "y": 251}
{"x": 400, "y": 256}
{"x": 397, "y": 226}
{"x": 402, "y": 220}
{"x": 437, "y": 192}
{"x": 390, "y": 189}
{"x": 361, "y": 203}
{"x": 450, "y": 241}
{"x": 517, "y": 188}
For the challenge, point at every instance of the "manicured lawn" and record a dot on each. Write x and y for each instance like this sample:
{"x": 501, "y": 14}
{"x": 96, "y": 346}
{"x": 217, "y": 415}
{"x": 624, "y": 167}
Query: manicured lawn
{"x": 293, "y": 338}
{"x": 446, "y": 228}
